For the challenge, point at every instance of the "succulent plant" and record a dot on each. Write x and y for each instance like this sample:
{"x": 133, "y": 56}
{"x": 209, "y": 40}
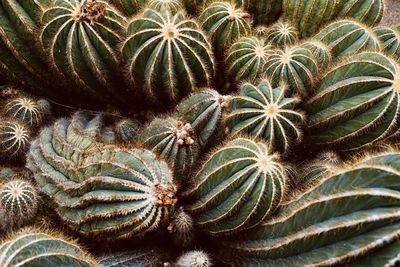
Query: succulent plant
{"x": 100, "y": 190}
{"x": 339, "y": 220}
{"x": 226, "y": 23}
{"x": 194, "y": 258}
{"x": 172, "y": 6}
{"x": 295, "y": 66}
{"x": 390, "y": 40}
{"x": 321, "y": 52}
{"x": 239, "y": 185}
{"x": 127, "y": 130}
{"x": 264, "y": 12}
{"x": 324, "y": 164}
{"x": 129, "y": 7}
{"x": 205, "y": 112}
{"x": 188, "y": 61}
{"x": 89, "y": 31}
{"x": 348, "y": 37}
{"x": 139, "y": 258}
{"x": 182, "y": 228}
{"x": 369, "y": 12}
{"x": 14, "y": 138}
{"x": 247, "y": 57}
{"x": 309, "y": 15}
{"x": 356, "y": 103}
{"x": 282, "y": 34}
{"x": 174, "y": 141}
{"x": 35, "y": 247}
{"x": 263, "y": 111}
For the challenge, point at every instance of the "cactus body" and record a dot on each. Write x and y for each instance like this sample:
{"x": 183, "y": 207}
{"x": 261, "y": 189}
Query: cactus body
{"x": 33, "y": 247}
{"x": 282, "y": 34}
{"x": 100, "y": 190}
{"x": 139, "y": 258}
{"x": 88, "y": 31}
{"x": 356, "y": 103}
{"x": 239, "y": 185}
{"x": 205, "y": 111}
{"x": 129, "y": 7}
{"x": 173, "y": 141}
{"x": 172, "y": 6}
{"x": 168, "y": 56}
{"x": 295, "y": 66}
{"x": 263, "y": 12}
{"x": 390, "y": 40}
{"x": 247, "y": 57}
{"x": 263, "y": 111}
{"x": 339, "y": 220}
{"x": 194, "y": 258}
{"x": 325, "y": 164}
{"x": 369, "y": 12}
{"x": 226, "y": 23}
{"x": 26, "y": 110}
{"x": 321, "y": 52}
{"x": 309, "y": 15}
{"x": 14, "y": 138}
{"x": 182, "y": 228}
{"x": 348, "y": 37}
{"x": 194, "y": 7}
{"x": 127, "y": 130}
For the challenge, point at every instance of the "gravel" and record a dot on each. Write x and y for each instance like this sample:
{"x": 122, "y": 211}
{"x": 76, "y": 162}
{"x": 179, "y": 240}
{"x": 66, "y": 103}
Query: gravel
{"x": 392, "y": 13}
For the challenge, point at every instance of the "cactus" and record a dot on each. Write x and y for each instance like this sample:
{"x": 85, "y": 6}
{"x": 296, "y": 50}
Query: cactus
{"x": 238, "y": 186}
{"x": 174, "y": 141}
{"x": 88, "y": 31}
{"x": 325, "y": 164}
{"x": 100, "y": 190}
{"x": 295, "y": 66}
{"x": 348, "y": 37}
{"x": 282, "y": 34}
{"x": 35, "y": 247}
{"x": 127, "y": 130}
{"x": 321, "y": 52}
{"x": 139, "y": 258}
{"x": 205, "y": 112}
{"x": 338, "y": 220}
{"x": 14, "y": 138}
{"x": 182, "y": 228}
{"x": 194, "y": 7}
{"x": 369, "y": 12}
{"x": 129, "y": 7}
{"x": 247, "y": 57}
{"x": 172, "y": 6}
{"x": 225, "y": 23}
{"x": 356, "y": 103}
{"x": 264, "y": 12}
{"x": 309, "y": 15}
{"x": 263, "y": 111}
{"x": 19, "y": 200}
{"x": 188, "y": 61}
{"x": 390, "y": 40}
{"x": 194, "y": 258}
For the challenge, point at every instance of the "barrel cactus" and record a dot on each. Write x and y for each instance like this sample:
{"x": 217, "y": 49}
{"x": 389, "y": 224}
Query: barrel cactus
{"x": 173, "y": 140}
{"x": 390, "y": 40}
{"x": 339, "y": 220}
{"x": 295, "y": 66}
{"x": 263, "y": 111}
{"x": 225, "y": 22}
{"x": 369, "y": 12}
{"x": 321, "y": 52}
{"x": 187, "y": 62}
{"x": 282, "y": 34}
{"x": 238, "y": 186}
{"x": 356, "y": 103}
{"x": 143, "y": 257}
{"x": 348, "y": 37}
{"x": 247, "y": 57}
{"x": 205, "y": 111}
{"x": 100, "y": 190}
{"x": 35, "y": 247}
{"x": 264, "y": 12}
{"x": 14, "y": 138}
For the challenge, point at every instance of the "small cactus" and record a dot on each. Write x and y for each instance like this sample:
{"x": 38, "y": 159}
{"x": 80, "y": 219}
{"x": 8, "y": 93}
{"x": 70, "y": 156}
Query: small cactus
{"x": 282, "y": 34}
{"x": 369, "y": 12}
{"x": 182, "y": 228}
{"x": 127, "y": 130}
{"x": 14, "y": 138}
{"x": 325, "y": 164}
{"x": 321, "y": 52}
{"x": 390, "y": 39}
{"x": 195, "y": 258}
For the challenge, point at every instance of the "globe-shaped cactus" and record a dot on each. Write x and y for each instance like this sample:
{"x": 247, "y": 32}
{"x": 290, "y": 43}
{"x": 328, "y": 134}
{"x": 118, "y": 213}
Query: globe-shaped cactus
{"x": 322, "y": 53}
{"x": 282, "y": 34}
{"x": 390, "y": 39}
{"x": 26, "y": 110}
{"x": 14, "y": 138}
{"x": 172, "y": 6}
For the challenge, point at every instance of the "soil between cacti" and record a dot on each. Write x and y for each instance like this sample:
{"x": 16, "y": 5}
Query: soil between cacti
{"x": 392, "y": 16}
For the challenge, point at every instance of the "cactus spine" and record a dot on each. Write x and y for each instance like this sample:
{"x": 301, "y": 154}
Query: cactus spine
{"x": 263, "y": 111}
{"x": 369, "y": 12}
{"x": 238, "y": 186}
{"x": 390, "y": 39}
{"x": 182, "y": 228}
{"x": 282, "y": 34}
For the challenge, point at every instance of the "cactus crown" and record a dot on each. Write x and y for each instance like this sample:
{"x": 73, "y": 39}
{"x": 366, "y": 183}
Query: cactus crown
{"x": 14, "y": 136}
{"x": 90, "y": 11}
{"x": 184, "y": 133}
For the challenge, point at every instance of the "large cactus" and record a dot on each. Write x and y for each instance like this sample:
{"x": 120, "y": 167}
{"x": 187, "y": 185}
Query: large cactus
{"x": 369, "y": 12}
{"x": 265, "y": 11}
{"x": 100, "y": 190}
{"x": 238, "y": 186}
{"x": 168, "y": 56}
{"x": 88, "y": 33}
{"x": 348, "y": 37}
{"x": 356, "y": 103}
{"x": 390, "y": 39}
{"x": 339, "y": 220}
{"x": 35, "y": 247}
{"x": 263, "y": 111}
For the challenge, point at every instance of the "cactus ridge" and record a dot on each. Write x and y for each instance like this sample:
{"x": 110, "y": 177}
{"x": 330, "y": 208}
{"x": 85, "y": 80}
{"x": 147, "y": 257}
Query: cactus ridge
{"x": 264, "y": 12}
{"x": 369, "y": 12}
{"x": 390, "y": 39}
{"x": 322, "y": 53}
{"x": 172, "y": 6}
{"x": 26, "y": 110}
{"x": 129, "y": 7}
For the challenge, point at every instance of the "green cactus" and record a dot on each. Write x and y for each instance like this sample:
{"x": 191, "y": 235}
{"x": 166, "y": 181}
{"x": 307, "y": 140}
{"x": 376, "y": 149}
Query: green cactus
{"x": 35, "y": 247}
{"x": 309, "y": 15}
{"x": 238, "y": 186}
{"x": 14, "y": 138}
{"x": 321, "y": 52}
{"x": 226, "y": 23}
{"x": 348, "y": 37}
{"x": 263, "y": 111}
{"x": 356, "y": 103}
{"x": 127, "y": 130}
{"x": 19, "y": 200}
{"x": 168, "y": 56}
{"x": 282, "y": 34}
{"x": 182, "y": 228}
{"x": 139, "y": 258}
{"x": 369, "y": 12}
{"x": 172, "y": 6}
{"x": 174, "y": 141}
{"x": 247, "y": 57}
{"x": 205, "y": 112}
{"x": 339, "y": 220}
{"x": 264, "y": 12}
{"x": 194, "y": 258}
{"x": 325, "y": 164}
{"x": 88, "y": 32}
{"x": 129, "y": 7}
{"x": 100, "y": 190}
{"x": 295, "y": 66}
{"x": 390, "y": 40}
